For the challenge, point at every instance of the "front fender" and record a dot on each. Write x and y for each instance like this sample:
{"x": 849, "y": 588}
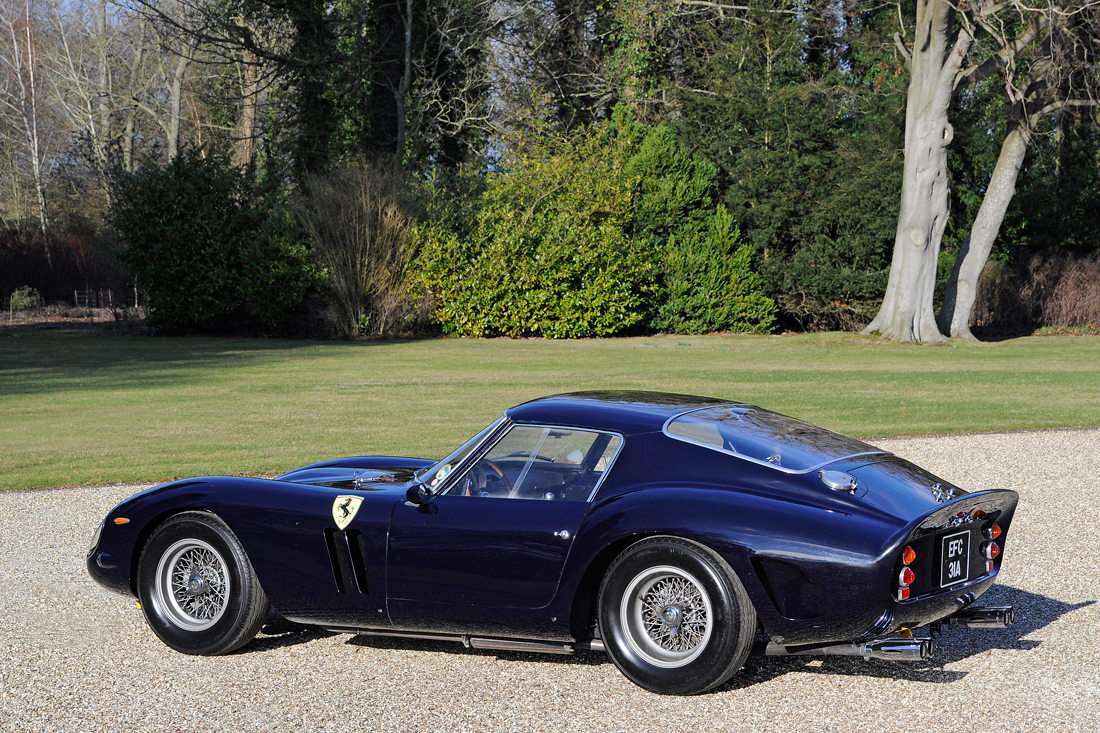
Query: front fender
{"x": 282, "y": 527}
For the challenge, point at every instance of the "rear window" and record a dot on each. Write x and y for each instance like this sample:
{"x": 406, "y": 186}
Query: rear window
{"x": 765, "y": 437}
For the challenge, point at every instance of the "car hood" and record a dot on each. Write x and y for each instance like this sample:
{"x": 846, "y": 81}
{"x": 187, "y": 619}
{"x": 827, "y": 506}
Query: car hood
{"x": 359, "y": 473}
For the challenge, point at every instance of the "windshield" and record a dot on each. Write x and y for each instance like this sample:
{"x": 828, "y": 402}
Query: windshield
{"x": 765, "y": 437}
{"x": 434, "y": 474}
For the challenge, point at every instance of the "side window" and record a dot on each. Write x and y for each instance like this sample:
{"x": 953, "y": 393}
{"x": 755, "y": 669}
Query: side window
{"x": 553, "y": 464}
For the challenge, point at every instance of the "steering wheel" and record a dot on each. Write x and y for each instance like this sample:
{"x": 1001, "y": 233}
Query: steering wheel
{"x": 498, "y": 472}
{"x": 469, "y": 491}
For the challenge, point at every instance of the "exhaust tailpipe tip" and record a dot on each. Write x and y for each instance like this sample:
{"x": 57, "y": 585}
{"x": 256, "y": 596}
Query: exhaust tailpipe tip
{"x": 902, "y": 650}
{"x": 983, "y": 617}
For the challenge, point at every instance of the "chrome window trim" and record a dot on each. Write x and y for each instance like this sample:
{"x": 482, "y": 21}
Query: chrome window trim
{"x": 500, "y": 426}
{"x": 487, "y": 444}
{"x": 610, "y": 462}
{"x": 791, "y": 471}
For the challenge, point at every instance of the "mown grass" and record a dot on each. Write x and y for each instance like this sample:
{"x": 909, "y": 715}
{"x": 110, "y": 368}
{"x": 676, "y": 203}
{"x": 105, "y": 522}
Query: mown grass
{"x": 80, "y": 408}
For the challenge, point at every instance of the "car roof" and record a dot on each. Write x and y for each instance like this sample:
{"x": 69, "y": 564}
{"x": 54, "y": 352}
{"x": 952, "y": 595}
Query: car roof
{"x": 621, "y": 411}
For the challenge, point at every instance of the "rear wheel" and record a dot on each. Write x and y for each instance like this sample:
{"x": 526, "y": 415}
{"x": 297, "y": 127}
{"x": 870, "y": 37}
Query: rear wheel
{"x": 674, "y": 617}
{"x": 197, "y": 587}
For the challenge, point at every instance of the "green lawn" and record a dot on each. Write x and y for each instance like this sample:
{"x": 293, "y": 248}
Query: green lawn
{"x": 79, "y": 408}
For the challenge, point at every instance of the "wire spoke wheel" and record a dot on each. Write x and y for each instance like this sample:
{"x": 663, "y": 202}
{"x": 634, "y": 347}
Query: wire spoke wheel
{"x": 674, "y": 616}
{"x": 192, "y": 584}
{"x": 667, "y": 616}
{"x": 197, "y": 588}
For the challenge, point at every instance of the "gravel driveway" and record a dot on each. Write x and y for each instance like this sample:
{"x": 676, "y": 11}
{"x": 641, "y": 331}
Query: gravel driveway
{"x": 76, "y": 657}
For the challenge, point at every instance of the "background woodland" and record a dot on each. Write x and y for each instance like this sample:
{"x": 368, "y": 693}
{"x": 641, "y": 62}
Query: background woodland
{"x": 561, "y": 169}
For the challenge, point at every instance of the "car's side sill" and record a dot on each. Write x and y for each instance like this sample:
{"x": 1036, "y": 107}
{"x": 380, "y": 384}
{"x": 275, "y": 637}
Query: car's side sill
{"x": 482, "y": 642}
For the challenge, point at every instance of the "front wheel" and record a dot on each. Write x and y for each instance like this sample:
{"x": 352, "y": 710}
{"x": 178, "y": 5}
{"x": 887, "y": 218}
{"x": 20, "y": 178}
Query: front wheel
{"x": 197, "y": 587}
{"x": 674, "y": 617}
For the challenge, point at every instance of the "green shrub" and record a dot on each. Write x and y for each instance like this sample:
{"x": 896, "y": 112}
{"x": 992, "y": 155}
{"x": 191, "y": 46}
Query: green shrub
{"x": 710, "y": 282}
{"x": 213, "y": 251}
{"x": 551, "y": 251}
{"x": 607, "y": 229}
{"x": 278, "y": 270}
{"x": 677, "y": 187}
{"x": 186, "y": 223}
{"x": 24, "y": 298}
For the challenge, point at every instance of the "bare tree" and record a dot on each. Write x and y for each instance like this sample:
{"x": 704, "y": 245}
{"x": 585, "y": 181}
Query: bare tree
{"x": 1045, "y": 57}
{"x": 359, "y": 218}
{"x": 23, "y": 100}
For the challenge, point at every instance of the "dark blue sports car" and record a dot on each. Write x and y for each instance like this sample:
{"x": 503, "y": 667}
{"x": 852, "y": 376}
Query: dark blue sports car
{"x": 677, "y": 533}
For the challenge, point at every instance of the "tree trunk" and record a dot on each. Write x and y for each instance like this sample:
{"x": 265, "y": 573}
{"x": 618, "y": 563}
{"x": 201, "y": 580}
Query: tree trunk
{"x": 962, "y": 288}
{"x": 103, "y": 137}
{"x": 31, "y": 124}
{"x": 246, "y": 124}
{"x": 906, "y": 313}
{"x": 406, "y": 83}
{"x": 177, "y": 102}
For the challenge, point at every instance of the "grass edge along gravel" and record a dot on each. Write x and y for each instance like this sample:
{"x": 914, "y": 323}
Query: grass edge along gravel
{"x": 83, "y": 409}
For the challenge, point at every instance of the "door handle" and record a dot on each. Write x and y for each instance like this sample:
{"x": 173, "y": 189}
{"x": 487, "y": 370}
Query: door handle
{"x": 564, "y": 534}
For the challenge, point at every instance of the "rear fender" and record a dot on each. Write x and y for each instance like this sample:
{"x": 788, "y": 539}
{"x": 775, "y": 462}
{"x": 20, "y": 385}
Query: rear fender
{"x": 831, "y": 557}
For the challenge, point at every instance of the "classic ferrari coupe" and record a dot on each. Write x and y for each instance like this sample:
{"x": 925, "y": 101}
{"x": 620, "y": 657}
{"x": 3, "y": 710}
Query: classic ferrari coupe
{"x": 678, "y": 534}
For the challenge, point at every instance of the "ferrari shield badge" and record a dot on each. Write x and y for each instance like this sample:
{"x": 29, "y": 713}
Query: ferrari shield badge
{"x": 344, "y": 509}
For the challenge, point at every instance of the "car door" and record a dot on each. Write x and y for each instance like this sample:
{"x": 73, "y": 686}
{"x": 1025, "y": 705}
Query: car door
{"x": 499, "y": 534}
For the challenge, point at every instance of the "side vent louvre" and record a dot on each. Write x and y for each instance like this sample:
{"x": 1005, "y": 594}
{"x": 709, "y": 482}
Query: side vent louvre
{"x": 348, "y": 555}
{"x": 359, "y": 561}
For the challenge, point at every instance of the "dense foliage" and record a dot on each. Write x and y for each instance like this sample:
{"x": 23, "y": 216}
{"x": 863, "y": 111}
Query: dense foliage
{"x": 202, "y": 248}
{"x": 580, "y": 168}
{"x": 592, "y": 233}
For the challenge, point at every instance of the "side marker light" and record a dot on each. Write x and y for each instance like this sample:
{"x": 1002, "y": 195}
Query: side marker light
{"x": 121, "y": 520}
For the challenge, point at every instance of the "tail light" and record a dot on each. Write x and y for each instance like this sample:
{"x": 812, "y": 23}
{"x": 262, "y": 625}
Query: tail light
{"x": 906, "y": 576}
{"x": 990, "y": 550}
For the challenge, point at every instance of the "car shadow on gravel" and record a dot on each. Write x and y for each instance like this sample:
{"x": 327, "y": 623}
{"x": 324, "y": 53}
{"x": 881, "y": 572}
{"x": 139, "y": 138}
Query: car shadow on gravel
{"x": 1033, "y": 612}
{"x": 278, "y": 633}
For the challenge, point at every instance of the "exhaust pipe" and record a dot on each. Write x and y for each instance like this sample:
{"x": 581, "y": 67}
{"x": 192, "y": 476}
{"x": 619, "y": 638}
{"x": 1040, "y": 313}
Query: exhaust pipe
{"x": 982, "y": 617}
{"x": 900, "y": 650}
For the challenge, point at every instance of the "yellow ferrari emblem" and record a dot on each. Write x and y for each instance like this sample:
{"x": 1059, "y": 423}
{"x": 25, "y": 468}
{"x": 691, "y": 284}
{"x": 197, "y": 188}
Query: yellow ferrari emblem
{"x": 344, "y": 509}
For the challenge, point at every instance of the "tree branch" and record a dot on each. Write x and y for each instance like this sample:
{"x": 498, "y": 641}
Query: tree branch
{"x": 1006, "y": 54}
{"x": 901, "y": 47}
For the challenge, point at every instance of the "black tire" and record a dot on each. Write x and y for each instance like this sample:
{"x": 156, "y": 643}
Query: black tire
{"x": 674, "y": 617}
{"x": 198, "y": 590}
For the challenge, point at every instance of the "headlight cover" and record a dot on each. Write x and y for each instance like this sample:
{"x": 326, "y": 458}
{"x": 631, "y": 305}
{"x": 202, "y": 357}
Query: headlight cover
{"x": 95, "y": 539}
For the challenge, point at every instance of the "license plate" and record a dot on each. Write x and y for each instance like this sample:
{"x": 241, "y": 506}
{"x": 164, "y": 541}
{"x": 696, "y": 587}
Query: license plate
{"x": 955, "y": 562}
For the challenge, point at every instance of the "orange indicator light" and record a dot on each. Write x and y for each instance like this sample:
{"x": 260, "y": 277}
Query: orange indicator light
{"x": 993, "y": 532}
{"x": 908, "y": 556}
{"x": 121, "y": 520}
